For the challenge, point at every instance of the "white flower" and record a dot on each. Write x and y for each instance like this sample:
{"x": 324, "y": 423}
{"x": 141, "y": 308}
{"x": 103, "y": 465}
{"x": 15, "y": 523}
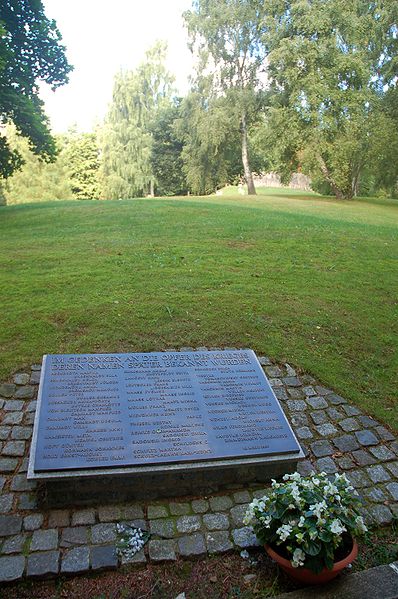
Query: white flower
{"x": 341, "y": 477}
{"x": 244, "y": 554}
{"x": 266, "y": 520}
{"x": 132, "y": 540}
{"x": 330, "y": 489}
{"x": 250, "y": 511}
{"x": 360, "y": 524}
{"x": 284, "y": 531}
{"x": 318, "y": 508}
{"x": 295, "y": 476}
{"x": 307, "y": 484}
{"x": 298, "y": 558}
{"x": 295, "y": 493}
{"x": 337, "y": 527}
{"x": 301, "y": 522}
{"x": 248, "y": 517}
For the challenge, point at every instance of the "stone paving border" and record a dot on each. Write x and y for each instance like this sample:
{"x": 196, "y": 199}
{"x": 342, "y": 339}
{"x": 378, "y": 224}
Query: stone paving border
{"x": 335, "y": 436}
{"x": 380, "y": 582}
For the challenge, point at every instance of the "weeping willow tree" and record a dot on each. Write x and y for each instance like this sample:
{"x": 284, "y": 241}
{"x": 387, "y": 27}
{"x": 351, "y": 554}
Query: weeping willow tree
{"x": 126, "y": 139}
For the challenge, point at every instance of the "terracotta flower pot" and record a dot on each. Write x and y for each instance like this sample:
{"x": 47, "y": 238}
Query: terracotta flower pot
{"x": 308, "y": 576}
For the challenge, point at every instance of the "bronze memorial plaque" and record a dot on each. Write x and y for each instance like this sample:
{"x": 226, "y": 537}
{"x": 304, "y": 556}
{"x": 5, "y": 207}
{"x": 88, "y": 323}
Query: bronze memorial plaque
{"x": 119, "y": 410}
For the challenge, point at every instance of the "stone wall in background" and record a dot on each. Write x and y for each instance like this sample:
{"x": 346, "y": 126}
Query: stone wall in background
{"x": 298, "y": 181}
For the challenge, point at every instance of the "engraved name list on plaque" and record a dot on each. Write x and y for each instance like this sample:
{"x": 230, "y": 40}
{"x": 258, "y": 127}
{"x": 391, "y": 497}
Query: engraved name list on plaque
{"x": 119, "y": 410}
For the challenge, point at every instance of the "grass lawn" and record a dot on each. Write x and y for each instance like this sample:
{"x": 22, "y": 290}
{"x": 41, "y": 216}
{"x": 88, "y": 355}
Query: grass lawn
{"x": 298, "y": 277}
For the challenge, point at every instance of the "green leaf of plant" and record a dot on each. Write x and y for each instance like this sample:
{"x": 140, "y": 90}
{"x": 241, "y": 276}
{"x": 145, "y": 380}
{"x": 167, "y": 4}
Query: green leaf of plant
{"x": 329, "y": 562}
{"x": 312, "y": 547}
{"x": 325, "y": 536}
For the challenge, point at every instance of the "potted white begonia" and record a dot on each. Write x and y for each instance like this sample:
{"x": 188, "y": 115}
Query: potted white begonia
{"x": 309, "y": 524}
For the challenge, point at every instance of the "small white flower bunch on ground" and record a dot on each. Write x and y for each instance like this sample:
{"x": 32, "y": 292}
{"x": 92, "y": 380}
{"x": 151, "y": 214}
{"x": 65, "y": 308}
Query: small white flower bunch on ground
{"x": 308, "y": 517}
{"x": 130, "y": 540}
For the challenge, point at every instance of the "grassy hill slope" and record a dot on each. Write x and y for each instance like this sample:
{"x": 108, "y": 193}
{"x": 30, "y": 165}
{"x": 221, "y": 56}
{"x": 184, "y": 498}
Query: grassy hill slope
{"x": 301, "y": 278}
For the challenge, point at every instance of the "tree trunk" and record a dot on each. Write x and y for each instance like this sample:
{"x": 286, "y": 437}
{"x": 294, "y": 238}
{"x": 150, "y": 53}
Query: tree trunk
{"x": 325, "y": 172}
{"x": 251, "y": 190}
{"x": 355, "y": 180}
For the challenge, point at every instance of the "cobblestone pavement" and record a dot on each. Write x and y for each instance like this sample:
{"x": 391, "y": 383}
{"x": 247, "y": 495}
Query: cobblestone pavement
{"x": 335, "y": 435}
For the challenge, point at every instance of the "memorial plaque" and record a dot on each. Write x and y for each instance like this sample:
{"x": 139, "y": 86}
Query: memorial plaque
{"x": 120, "y": 410}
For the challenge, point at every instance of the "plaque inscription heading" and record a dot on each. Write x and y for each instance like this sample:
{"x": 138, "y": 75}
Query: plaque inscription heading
{"x": 116, "y": 410}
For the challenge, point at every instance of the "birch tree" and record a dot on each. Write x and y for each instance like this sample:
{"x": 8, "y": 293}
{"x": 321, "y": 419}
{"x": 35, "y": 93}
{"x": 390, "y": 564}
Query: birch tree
{"x": 328, "y": 65}
{"x": 227, "y": 35}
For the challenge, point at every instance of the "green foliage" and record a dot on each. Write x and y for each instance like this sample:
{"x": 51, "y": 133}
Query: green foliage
{"x": 3, "y": 199}
{"x": 37, "y": 181}
{"x": 10, "y": 160}
{"x": 230, "y": 31}
{"x": 227, "y": 36}
{"x": 277, "y": 140}
{"x": 381, "y": 172}
{"x": 30, "y": 50}
{"x": 126, "y": 140}
{"x": 210, "y": 143}
{"x": 166, "y": 159}
{"x": 309, "y": 517}
{"x": 81, "y": 154}
{"x": 385, "y": 42}
{"x": 327, "y": 111}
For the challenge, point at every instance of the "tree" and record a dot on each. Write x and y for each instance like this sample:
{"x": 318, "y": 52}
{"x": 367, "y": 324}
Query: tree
{"x": 381, "y": 173}
{"x": 324, "y": 67}
{"x": 30, "y": 50}
{"x": 228, "y": 35}
{"x": 126, "y": 139}
{"x": 3, "y": 199}
{"x": 385, "y": 43}
{"x": 36, "y": 181}
{"x": 211, "y": 142}
{"x": 81, "y": 154}
{"x": 166, "y": 158}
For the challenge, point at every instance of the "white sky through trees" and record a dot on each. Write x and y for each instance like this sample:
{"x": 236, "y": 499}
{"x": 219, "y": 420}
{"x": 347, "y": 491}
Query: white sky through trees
{"x": 102, "y": 37}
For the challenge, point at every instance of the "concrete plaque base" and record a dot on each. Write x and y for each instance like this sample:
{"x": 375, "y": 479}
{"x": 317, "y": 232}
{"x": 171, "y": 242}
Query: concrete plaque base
{"x": 147, "y": 483}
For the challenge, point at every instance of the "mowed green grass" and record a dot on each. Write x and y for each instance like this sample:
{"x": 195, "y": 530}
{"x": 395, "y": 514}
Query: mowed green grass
{"x": 300, "y": 278}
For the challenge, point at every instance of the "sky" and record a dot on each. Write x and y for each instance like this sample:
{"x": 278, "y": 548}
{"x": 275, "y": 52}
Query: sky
{"x": 103, "y": 37}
